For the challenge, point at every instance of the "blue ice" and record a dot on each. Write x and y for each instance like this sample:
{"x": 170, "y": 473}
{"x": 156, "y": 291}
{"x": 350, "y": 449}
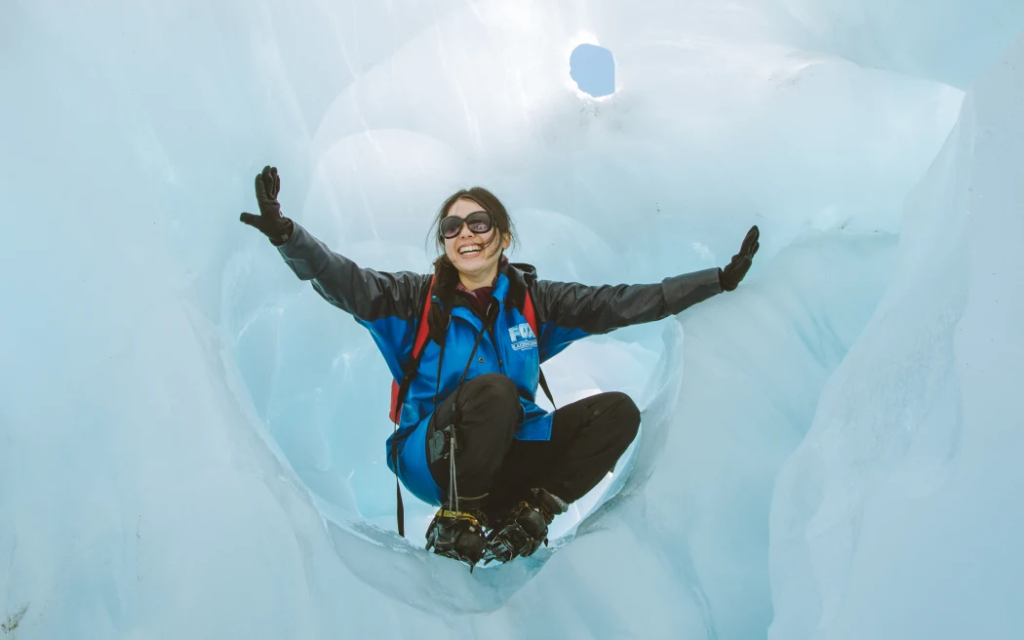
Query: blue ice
{"x": 191, "y": 441}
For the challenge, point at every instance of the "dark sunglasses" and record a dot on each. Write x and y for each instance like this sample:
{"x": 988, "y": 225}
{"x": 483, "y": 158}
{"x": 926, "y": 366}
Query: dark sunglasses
{"x": 478, "y": 222}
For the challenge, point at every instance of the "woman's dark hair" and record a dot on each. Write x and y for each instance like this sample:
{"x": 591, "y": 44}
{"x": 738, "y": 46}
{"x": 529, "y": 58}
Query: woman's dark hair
{"x": 446, "y": 276}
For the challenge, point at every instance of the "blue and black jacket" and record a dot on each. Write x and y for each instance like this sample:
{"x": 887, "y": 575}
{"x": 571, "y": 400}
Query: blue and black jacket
{"x": 390, "y": 305}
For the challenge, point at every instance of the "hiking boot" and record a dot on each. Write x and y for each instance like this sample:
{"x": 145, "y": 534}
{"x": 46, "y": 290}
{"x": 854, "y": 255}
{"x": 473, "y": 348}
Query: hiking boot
{"x": 458, "y": 535}
{"x": 521, "y": 532}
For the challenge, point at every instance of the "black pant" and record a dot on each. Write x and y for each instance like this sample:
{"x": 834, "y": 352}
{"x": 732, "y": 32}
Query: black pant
{"x": 492, "y": 468}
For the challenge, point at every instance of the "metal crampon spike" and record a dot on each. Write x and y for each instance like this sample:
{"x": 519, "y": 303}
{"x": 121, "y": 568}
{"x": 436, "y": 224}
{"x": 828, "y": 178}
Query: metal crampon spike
{"x": 456, "y": 535}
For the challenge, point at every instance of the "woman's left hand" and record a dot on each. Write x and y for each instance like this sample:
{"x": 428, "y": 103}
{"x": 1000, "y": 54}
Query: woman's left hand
{"x": 733, "y": 273}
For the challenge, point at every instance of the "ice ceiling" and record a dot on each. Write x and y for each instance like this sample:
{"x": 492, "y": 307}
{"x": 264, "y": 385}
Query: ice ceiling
{"x": 191, "y": 441}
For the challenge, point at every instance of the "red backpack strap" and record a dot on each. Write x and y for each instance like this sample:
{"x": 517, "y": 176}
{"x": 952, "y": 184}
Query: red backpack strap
{"x": 531, "y": 319}
{"x": 398, "y": 397}
{"x": 422, "y": 335}
{"x": 531, "y": 315}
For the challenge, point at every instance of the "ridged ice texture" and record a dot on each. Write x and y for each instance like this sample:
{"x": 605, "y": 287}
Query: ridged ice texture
{"x": 191, "y": 441}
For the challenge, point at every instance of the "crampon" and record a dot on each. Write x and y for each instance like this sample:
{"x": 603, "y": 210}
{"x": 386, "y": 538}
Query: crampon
{"x": 457, "y": 535}
{"x": 522, "y": 532}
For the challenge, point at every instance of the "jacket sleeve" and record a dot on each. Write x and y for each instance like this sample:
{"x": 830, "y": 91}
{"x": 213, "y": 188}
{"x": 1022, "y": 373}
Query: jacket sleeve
{"x": 388, "y": 304}
{"x": 567, "y": 312}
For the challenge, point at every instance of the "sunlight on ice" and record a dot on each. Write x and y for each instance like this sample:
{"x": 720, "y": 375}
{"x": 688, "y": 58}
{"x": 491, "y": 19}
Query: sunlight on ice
{"x": 192, "y": 440}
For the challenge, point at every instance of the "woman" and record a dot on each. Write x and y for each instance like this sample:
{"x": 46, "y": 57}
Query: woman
{"x": 468, "y": 420}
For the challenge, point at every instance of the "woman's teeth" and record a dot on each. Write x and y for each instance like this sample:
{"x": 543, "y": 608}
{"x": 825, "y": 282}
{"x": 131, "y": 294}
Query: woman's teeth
{"x": 465, "y": 250}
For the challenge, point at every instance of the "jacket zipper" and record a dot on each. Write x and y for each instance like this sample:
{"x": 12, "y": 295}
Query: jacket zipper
{"x": 494, "y": 338}
{"x": 497, "y": 350}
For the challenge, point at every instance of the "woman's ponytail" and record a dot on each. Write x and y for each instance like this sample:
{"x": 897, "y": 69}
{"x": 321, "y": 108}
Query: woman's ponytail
{"x": 446, "y": 279}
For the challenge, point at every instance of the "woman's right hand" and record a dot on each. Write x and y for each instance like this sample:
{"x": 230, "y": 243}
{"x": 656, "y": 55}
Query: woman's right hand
{"x": 270, "y": 221}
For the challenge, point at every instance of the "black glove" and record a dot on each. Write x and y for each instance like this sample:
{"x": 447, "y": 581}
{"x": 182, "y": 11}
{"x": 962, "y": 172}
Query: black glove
{"x": 733, "y": 273}
{"x": 270, "y": 221}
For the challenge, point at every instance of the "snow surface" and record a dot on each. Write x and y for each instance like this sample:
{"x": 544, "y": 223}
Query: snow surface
{"x": 191, "y": 441}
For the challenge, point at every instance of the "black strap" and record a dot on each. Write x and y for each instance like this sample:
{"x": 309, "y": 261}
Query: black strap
{"x": 547, "y": 391}
{"x": 401, "y": 507}
{"x": 456, "y": 413}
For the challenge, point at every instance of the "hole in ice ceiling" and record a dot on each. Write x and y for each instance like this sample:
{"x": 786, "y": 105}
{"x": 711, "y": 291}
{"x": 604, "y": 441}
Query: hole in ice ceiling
{"x": 593, "y": 69}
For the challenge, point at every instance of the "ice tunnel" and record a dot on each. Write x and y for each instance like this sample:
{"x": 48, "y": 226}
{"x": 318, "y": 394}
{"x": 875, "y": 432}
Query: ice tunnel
{"x": 192, "y": 441}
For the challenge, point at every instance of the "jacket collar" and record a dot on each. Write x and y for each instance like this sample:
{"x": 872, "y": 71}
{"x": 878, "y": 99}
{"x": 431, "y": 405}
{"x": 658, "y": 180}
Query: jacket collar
{"x": 510, "y": 289}
{"x": 519, "y": 276}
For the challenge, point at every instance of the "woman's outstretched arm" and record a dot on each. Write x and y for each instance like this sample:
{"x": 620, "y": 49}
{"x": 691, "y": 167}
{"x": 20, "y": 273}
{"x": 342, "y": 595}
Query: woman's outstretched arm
{"x": 369, "y": 295}
{"x": 385, "y": 303}
{"x": 569, "y": 311}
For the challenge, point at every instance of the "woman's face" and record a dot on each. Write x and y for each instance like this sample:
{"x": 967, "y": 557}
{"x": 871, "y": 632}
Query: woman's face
{"x": 474, "y": 255}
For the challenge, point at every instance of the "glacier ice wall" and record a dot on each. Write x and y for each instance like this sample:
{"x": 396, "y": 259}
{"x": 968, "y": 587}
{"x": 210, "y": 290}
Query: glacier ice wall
{"x": 895, "y": 516}
{"x": 191, "y": 441}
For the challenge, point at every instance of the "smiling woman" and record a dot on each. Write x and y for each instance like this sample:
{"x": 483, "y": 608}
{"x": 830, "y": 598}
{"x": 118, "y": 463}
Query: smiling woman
{"x": 465, "y": 347}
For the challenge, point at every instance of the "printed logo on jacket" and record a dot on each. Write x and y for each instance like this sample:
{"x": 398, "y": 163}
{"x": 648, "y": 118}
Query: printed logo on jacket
{"x": 522, "y": 337}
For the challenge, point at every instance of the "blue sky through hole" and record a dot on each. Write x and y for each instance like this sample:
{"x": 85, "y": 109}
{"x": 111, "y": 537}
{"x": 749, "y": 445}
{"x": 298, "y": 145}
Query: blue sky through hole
{"x": 593, "y": 69}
